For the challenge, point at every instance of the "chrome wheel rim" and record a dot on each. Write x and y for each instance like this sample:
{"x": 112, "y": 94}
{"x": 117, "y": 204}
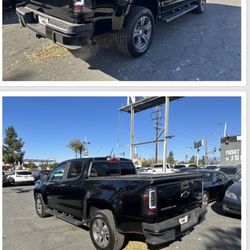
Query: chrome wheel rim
{"x": 101, "y": 233}
{"x": 142, "y": 33}
{"x": 39, "y": 206}
{"x": 205, "y": 200}
{"x": 203, "y": 3}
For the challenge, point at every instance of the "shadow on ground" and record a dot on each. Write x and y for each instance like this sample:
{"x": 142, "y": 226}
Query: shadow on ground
{"x": 217, "y": 208}
{"x": 193, "y": 47}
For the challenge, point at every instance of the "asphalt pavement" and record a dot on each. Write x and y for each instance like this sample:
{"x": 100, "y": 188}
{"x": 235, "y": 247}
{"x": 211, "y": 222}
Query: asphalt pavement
{"x": 24, "y": 230}
{"x": 192, "y": 47}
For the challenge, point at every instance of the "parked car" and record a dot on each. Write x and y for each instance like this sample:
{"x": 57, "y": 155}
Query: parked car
{"x": 5, "y": 181}
{"x": 212, "y": 167}
{"x": 215, "y": 184}
{"x": 231, "y": 171}
{"x": 72, "y": 23}
{"x": 232, "y": 199}
{"x": 20, "y": 177}
{"x": 108, "y": 196}
{"x": 186, "y": 169}
{"x": 158, "y": 169}
{"x": 39, "y": 173}
{"x": 178, "y": 167}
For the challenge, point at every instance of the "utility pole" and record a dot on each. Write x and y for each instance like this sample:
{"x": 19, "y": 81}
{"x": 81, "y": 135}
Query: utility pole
{"x": 157, "y": 128}
{"x": 165, "y": 134}
{"x": 206, "y": 152}
{"x": 132, "y": 117}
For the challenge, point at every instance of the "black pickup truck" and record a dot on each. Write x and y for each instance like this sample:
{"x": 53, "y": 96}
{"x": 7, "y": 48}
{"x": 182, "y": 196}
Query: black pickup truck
{"x": 108, "y": 196}
{"x": 72, "y": 23}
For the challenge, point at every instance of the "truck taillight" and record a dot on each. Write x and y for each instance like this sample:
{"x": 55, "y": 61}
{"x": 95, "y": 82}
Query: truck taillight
{"x": 78, "y": 6}
{"x": 150, "y": 203}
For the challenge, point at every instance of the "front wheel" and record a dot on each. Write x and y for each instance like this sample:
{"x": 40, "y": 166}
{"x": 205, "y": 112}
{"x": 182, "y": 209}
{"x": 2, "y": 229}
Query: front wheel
{"x": 40, "y": 206}
{"x": 201, "y": 7}
{"x": 135, "y": 37}
{"x": 103, "y": 232}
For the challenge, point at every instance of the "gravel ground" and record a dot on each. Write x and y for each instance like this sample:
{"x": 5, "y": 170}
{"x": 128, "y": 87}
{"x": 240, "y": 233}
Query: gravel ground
{"x": 193, "y": 47}
{"x": 24, "y": 230}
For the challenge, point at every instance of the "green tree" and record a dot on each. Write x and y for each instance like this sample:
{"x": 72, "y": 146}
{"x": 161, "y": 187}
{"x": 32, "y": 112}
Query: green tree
{"x": 170, "y": 158}
{"x": 77, "y": 147}
{"x": 30, "y": 165}
{"x": 12, "y": 148}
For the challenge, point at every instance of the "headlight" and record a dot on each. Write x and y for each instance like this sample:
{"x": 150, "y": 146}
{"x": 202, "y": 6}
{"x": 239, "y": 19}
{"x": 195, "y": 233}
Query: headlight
{"x": 230, "y": 195}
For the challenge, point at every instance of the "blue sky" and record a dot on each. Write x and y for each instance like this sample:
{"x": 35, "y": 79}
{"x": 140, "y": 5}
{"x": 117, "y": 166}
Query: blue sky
{"x": 47, "y": 124}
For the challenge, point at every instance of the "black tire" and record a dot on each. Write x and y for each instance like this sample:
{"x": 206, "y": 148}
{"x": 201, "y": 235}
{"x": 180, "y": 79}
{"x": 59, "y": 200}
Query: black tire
{"x": 205, "y": 199}
{"x": 40, "y": 206}
{"x": 11, "y": 181}
{"x": 125, "y": 40}
{"x": 109, "y": 240}
{"x": 201, "y": 7}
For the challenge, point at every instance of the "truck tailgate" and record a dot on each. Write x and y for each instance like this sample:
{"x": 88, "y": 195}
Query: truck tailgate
{"x": 62, "y": 9}
{"x": 178, "y": 194}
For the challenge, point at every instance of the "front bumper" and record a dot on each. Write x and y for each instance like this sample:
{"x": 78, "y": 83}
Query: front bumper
{"x": 70, "y": 35}
{"x": 232, "y": 207}
{"x": 170, "y": 230}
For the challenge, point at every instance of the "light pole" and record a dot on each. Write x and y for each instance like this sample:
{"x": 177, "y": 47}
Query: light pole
{"x": 225, "y": 128}
{"x": 186, "y": 153}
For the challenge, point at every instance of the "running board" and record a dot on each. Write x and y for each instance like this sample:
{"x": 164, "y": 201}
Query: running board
{"x": 171, "y": 17}
{"x": 64, "y": 217}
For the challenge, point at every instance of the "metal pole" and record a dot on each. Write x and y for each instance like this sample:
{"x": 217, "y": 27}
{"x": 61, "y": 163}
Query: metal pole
{"x": 206, "y": 152}
{"x": 132, "y": 118}
{"x": 197, "y": 157}
{"x": 225, "y": 129}
{"x": 165, "y": 134}
{"x": 156, "y": 134}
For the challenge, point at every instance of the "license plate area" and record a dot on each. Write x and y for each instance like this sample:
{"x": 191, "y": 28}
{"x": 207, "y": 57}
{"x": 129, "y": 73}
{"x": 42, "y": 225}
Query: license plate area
{"x": 43, "y": 20}
{"x": 187, "y": 222}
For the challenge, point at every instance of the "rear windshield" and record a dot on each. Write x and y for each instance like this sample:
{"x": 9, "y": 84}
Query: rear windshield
{"x": 24, "y": 173}
{"x": 228, "y": 170}
{"x": 104, "y": 168}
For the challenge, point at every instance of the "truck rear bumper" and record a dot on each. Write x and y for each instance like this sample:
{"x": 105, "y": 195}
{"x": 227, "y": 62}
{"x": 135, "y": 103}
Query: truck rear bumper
{"x": 70, "y": 35}
{"x": 170, "y": 230}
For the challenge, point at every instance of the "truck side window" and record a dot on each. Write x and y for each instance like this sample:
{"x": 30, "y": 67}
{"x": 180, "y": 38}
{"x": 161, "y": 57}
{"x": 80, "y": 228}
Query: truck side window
{"x": 75, "y": 169}
{"x": 58, "y": 173}
{"x": 99, "y": 169}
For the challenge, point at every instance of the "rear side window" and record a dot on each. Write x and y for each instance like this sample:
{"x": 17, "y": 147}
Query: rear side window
{"x": 75, "y": 169}
{"x": 99, "y": 169}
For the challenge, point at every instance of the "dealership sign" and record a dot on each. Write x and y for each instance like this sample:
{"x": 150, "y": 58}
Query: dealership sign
{"x": 230, "y": 151}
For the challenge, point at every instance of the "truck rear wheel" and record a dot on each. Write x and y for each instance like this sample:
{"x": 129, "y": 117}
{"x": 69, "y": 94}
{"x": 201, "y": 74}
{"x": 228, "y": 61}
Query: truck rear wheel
{"x": 103, "y": 232}
{"x": 205, "y": 199}
{"x": 201, "y": 7}
{"x": 135, "y": 37}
